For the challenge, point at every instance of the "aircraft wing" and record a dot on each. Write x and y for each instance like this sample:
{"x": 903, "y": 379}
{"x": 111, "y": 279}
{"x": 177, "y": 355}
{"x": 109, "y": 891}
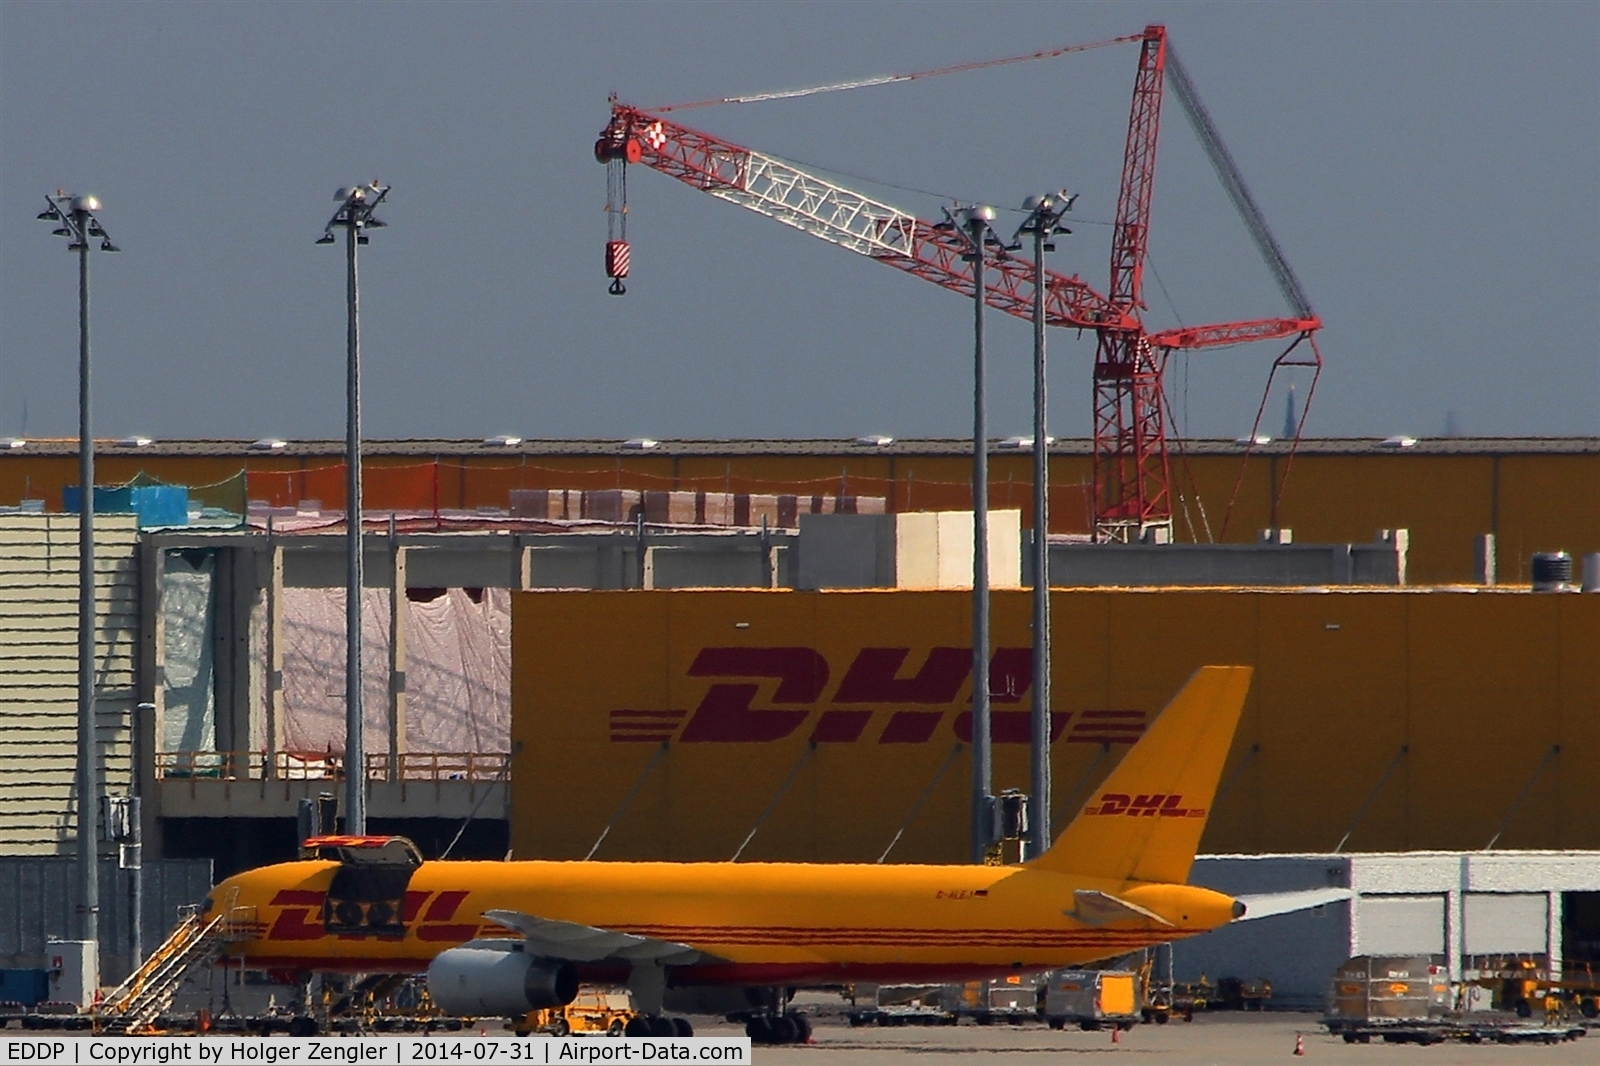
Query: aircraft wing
{"x": 555, "y": 939}
{"x": 1268, "y": 904}
{"x": 1102, "y": 908}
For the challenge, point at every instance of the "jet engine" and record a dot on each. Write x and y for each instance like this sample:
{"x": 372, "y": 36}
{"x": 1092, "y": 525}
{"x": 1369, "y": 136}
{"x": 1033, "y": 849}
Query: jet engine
{"x": 481, "y": 979}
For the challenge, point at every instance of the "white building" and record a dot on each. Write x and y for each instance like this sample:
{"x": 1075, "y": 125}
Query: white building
{"x": 1466, "y": 909}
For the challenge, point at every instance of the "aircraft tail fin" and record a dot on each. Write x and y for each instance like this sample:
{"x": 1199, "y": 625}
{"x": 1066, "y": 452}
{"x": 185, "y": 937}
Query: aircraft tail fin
{"x": 1144, "y": 823}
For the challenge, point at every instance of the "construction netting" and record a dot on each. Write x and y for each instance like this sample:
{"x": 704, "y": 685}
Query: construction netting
{"x": 457, "y": 669}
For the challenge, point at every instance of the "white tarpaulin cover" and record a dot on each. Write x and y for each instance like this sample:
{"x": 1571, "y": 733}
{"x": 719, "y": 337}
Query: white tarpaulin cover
{"x": 458, "y": 671}
{"x": 188, "y": 722}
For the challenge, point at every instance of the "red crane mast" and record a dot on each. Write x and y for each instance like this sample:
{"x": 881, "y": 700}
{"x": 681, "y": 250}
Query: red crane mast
{"x": 1132, "y": 472}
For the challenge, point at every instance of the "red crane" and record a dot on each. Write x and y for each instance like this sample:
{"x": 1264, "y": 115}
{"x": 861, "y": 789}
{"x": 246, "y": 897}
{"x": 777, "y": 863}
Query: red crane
{"x": 1132, "y": 497}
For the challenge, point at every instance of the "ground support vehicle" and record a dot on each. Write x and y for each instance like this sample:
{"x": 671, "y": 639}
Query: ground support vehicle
{"x": 904, "y": 1015}
{"x": 1186, "y": 997}
{"x": 1094, "y": 999}
{"x": 1527, "y": 988}
{"x": 594, "y": 1010}
{"x": 1242, "y": 993}
{"x": 1465, "y": 1028}
{"x": 1386, "y": 990}
{"x": 1013, "y": 1000}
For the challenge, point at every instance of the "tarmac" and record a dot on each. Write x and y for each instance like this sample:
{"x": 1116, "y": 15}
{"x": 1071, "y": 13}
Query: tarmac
{"x": 1216, "y": 1038}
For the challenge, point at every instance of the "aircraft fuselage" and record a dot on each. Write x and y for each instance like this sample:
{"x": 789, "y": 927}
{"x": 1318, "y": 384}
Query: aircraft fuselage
{"x": 754, "y": 923}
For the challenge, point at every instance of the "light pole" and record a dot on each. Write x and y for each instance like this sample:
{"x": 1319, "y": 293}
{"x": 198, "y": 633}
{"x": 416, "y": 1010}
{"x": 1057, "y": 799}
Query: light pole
{"x": 1042, "y": 223}
{"x": 354, "y": 215}
{"x": 973, "y": 224}
{"x": 78, "y": 223}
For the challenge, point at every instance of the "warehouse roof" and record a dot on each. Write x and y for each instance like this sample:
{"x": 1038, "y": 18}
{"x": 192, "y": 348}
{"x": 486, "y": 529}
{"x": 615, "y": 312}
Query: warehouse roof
{"x": 589, "y": 448}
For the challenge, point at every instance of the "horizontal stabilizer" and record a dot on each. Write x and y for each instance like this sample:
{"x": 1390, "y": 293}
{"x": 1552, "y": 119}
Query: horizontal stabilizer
{"x": 1102, "y": 908}
{"x": 552, "y": 939}
{"x": 1265, "y": 905}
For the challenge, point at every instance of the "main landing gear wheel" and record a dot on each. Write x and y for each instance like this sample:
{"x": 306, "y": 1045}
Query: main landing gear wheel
{"x": 778, "y": 1029}
{"x": 660, "y": 1026}
{"x": 681, "y": 1027}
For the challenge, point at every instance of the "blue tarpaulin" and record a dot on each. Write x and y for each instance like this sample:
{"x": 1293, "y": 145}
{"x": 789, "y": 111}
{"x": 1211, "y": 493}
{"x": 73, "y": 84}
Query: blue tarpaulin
{"x": 156, "y": 505}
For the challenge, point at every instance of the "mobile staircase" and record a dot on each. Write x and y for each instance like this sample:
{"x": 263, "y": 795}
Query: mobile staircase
{"x": 136, "y": 1005}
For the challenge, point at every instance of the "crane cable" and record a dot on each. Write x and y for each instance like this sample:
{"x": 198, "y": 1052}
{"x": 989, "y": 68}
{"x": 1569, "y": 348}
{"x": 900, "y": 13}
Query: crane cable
{"x": 891, "y": 79}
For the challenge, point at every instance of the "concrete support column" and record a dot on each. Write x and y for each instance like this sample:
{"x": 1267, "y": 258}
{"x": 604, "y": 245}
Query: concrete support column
{"x": 151, "y": 688}
{"x": 398, "y": 617}
{"x": 1455, "y": 916}
{"x": 1454, "y": 931}
{"x": 522, "y": 565}
{"x": 1483, "y": 551}
{"x": 1552, "y": 933}
{"x": 234, "y": 586}
{"x": 273, "y": 703}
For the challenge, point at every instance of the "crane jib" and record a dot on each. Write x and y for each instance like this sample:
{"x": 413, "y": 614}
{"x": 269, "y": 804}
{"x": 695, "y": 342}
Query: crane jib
{"x": 1132, "y": 490}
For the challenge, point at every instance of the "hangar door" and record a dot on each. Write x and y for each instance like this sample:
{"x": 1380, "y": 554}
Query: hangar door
{"x": 1400, "y": 925}
{"x": 1505, "y": 923}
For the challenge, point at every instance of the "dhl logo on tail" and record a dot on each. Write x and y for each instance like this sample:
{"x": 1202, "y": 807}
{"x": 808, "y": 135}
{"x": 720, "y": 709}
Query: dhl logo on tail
{"x": 1146, "y": 806}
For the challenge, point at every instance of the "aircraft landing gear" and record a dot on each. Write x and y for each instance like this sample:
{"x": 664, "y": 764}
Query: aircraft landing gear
{"x": 773, "y": 1029}
{"x": 657, "y": 1025}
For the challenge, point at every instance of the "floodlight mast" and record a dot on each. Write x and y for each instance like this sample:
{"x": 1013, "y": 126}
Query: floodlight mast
{"x": 354, "y": 215}
{"x": 78, "y": 220}
{"x": 1043, "y": 222}
{"x": 1132, "y": 498}
{"x": 973, "y": 226}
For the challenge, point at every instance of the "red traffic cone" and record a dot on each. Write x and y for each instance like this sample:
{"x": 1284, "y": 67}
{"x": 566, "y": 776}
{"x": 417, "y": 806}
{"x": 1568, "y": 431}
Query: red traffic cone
{"x": 1116, "y": 1034}
{"x": 1299, "y": 1044}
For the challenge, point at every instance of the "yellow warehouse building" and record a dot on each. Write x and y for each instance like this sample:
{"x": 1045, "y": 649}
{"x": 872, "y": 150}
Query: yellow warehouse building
{"x": 675, "y": 722}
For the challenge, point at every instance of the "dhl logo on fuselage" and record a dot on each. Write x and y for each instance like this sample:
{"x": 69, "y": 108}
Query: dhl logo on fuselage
{"x": 1158, "y": 805}
{"x": 301, "y": 917}
{"x": 908, "y": 709}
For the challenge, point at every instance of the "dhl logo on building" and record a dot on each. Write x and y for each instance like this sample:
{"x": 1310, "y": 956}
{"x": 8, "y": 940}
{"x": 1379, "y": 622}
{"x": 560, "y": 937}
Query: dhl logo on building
{"x": 875, "y": 701}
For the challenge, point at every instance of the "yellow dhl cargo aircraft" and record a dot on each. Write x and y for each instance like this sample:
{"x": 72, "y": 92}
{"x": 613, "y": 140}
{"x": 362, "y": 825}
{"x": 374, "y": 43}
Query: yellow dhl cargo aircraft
{"x": 502, "y": 938}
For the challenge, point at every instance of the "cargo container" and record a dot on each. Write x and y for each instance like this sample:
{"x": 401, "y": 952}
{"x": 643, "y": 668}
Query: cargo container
{"x": 1091, "y": 999}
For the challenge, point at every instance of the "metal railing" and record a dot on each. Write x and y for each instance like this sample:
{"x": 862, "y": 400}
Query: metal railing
{"x": 329, "y": 766}
{"x": 441, "y": 766}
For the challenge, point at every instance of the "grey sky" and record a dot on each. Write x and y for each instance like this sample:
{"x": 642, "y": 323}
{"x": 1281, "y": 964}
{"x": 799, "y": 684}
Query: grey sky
{"x": 1432, "y": 171}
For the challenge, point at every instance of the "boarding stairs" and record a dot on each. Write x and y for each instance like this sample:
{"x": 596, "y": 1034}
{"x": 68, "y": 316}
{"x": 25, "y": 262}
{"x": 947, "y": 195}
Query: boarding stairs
{"x": 135, "y": 1006}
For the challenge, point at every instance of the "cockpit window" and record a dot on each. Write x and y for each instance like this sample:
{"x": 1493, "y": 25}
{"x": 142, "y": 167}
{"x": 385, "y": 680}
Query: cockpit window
{"x": 207, "y": 904}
